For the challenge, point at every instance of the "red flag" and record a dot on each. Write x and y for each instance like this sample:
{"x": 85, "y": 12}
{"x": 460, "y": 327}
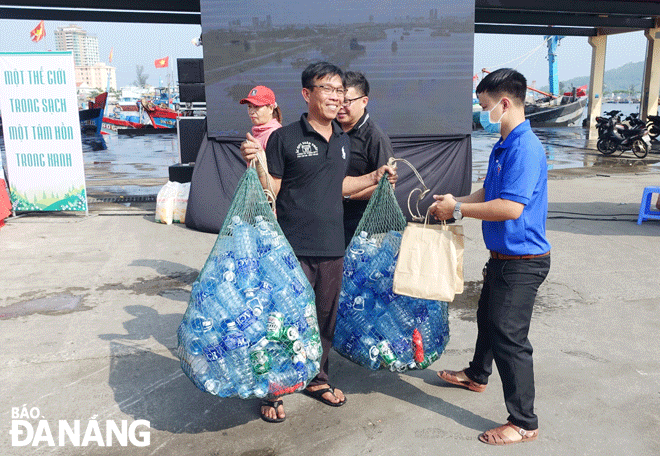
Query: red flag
{"x": 38, "y": 33}
{"x": 162, "y": 63}
{"x": 110, "y": 56}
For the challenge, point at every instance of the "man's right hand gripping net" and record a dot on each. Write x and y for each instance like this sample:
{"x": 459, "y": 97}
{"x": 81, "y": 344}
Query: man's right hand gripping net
{"x": 250, "y": 328}
{"x": 375, "y": 327}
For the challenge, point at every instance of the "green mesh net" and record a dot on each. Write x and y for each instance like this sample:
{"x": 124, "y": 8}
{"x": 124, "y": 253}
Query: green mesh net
{"x": 383, "y": 213}
{"x": 250, "y": 329}
{"x": 376, "y": 328}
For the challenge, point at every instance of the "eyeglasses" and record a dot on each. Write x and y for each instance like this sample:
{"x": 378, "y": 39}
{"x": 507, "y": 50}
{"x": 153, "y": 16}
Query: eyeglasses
{"x": 327, "y": 90}
{"x": 348, "y": 101}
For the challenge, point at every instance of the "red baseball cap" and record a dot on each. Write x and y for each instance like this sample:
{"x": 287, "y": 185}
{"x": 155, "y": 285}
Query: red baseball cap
{"x": 260, "y": 96}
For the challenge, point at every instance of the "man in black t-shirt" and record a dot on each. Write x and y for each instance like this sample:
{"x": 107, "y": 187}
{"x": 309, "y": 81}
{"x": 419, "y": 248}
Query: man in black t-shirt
{"x": 307, "y": 163}
{"x": 370, "y": 146}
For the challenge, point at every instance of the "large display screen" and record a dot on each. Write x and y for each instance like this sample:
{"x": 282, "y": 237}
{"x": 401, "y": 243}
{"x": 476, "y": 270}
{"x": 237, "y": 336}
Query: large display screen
{"x": 416, "y": 54}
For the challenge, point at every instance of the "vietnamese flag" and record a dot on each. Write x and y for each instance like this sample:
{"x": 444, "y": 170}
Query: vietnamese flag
{"x": 162, "y": 63}
{"x": 38, "y": 33}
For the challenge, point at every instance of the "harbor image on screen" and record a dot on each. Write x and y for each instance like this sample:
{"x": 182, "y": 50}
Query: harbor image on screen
{"x": 417, "y": 56}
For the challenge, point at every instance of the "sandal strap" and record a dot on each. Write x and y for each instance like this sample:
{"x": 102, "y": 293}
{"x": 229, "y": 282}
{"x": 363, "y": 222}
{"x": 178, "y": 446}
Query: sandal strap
{"x": 273, "y": 404}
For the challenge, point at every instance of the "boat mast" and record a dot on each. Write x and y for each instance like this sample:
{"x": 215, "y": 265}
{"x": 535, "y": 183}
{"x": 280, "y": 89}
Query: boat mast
{"x": 553, "y": 41}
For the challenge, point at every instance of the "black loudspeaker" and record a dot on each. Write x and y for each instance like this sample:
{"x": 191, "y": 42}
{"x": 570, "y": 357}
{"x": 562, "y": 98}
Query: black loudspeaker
{"x": 192, "y": 92}
{"x": 190, "y": 131}
{"x": 181, "y": 173}
{"x": 190, "y": 71}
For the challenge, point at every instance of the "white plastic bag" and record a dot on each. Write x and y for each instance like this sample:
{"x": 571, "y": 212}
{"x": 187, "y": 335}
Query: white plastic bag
{"x": 165, "y": 203}
{"x": 181, "y": 202}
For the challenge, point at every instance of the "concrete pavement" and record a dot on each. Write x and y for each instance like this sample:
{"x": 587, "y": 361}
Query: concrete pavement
{"x": 89, "y": 309}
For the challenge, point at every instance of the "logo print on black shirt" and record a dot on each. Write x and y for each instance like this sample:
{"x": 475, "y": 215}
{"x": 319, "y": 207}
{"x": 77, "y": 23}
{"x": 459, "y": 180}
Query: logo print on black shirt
{"x": 306, "y": 149}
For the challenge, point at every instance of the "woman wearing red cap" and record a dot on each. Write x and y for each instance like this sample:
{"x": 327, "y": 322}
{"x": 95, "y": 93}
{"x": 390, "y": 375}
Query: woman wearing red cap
{"x": 264, "y": 113}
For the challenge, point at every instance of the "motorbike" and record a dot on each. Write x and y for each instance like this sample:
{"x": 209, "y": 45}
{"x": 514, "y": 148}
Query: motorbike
{"x": 602, "y": 121}
{"x": 615, "y": 135}
{"x": 653, "y": 126}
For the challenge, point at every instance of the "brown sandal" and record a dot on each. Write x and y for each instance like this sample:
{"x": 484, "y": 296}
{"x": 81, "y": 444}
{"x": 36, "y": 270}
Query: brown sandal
{"x": 497, "y": 437}
{"x": 452, "y": 377}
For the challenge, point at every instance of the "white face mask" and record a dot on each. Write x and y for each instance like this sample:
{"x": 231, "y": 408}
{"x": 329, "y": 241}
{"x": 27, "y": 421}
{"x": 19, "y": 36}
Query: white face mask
{"x": 484, "y": 120}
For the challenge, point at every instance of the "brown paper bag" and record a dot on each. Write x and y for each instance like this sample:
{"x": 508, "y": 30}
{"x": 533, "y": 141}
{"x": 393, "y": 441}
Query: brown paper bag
{"x": 430, "y": 264}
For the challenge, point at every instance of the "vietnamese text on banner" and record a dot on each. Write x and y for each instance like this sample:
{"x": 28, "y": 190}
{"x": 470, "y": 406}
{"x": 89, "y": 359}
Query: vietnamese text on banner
{"x": 41, "y": 130}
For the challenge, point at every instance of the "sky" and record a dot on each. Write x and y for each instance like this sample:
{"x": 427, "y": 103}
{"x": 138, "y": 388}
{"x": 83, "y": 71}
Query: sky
{"x": 141, "y": 44}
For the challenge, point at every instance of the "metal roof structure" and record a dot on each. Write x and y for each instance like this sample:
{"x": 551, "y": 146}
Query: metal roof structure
{"x": 524, "y": 17}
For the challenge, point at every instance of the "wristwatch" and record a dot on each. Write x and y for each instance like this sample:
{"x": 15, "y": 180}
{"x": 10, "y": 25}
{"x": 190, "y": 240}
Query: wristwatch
{"x": 457, "y": 214}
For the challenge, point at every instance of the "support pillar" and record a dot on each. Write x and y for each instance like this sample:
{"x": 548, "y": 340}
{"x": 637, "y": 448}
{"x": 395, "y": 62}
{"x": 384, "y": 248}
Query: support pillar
{"x": 651, "y": 83}
{"x": 598, "y": 46}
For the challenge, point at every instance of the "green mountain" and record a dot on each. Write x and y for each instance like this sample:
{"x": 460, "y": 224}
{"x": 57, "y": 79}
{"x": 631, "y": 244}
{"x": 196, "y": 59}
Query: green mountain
{"x": 616, "y": 80}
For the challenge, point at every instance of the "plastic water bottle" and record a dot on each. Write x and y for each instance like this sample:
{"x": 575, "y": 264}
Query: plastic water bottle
{"x": 381, "y": 264}
{"x": 199, "y": 323}
{"x": 313, "y": 368}
{"x": 370, "y": 249}
{"x": 266, "y": 235}
{"x": 355, "y": 255}
{"x": 224, "y": 247}
{"x": 231, "y": 299}
{"x": 274, "y": 267}
{"x": 260, "y": 296}
{"x": 309, "y": 312}
{"x": 197, "y": 369}
{"x": 364, "y": 302}
{"x": 384, "y": 284}
{"x": 252, "y": 322}
{"x": 236, "y": 347}
{"x": 392, "y": 241}
{"x": 287, "y": 381}
{"x": 370, "y": 348}
{"x": 245, "y": 253}
{"x": 218, "y": 380}
{"x": 248, "y": 320}
{"x": 285, "y": 302}
{"x": 202, "y": 290}
{"x": 401, "y": 314}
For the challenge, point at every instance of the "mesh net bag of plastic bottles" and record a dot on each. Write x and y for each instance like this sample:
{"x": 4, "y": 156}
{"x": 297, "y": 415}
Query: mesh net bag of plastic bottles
{"x": 375, "y": 327}
{"x": 250, "y": 328}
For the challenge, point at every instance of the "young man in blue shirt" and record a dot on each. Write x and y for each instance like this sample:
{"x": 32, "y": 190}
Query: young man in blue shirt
{"x": 513, "y": 205}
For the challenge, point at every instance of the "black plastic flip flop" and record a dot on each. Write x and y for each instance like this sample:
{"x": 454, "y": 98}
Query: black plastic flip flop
{"x": 273, "y": 404}
{"x": 318, "y": 395}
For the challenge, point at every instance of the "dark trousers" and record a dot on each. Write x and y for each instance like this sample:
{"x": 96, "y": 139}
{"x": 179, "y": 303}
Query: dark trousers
{"x": 324, "y": 273}
{"x": 503, "y": 319}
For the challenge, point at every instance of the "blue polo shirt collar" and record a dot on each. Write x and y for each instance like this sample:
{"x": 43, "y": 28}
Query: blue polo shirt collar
{"x": 515, "y": 134}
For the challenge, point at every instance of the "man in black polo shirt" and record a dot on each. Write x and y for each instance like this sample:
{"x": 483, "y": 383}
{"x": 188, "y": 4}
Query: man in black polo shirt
{"x": 370, "y": 146}
{"x": 307, "y": 163}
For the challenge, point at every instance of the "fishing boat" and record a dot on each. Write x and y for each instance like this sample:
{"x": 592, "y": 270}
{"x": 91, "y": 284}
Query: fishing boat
{"x": 551, "y": 110}
{"x": 161, "y": 116}
{"x": 91, "y": 118}
{"x": 555, "y": 111}
{"x": 112, "y": 125}
{"x": 125, "y": 114}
